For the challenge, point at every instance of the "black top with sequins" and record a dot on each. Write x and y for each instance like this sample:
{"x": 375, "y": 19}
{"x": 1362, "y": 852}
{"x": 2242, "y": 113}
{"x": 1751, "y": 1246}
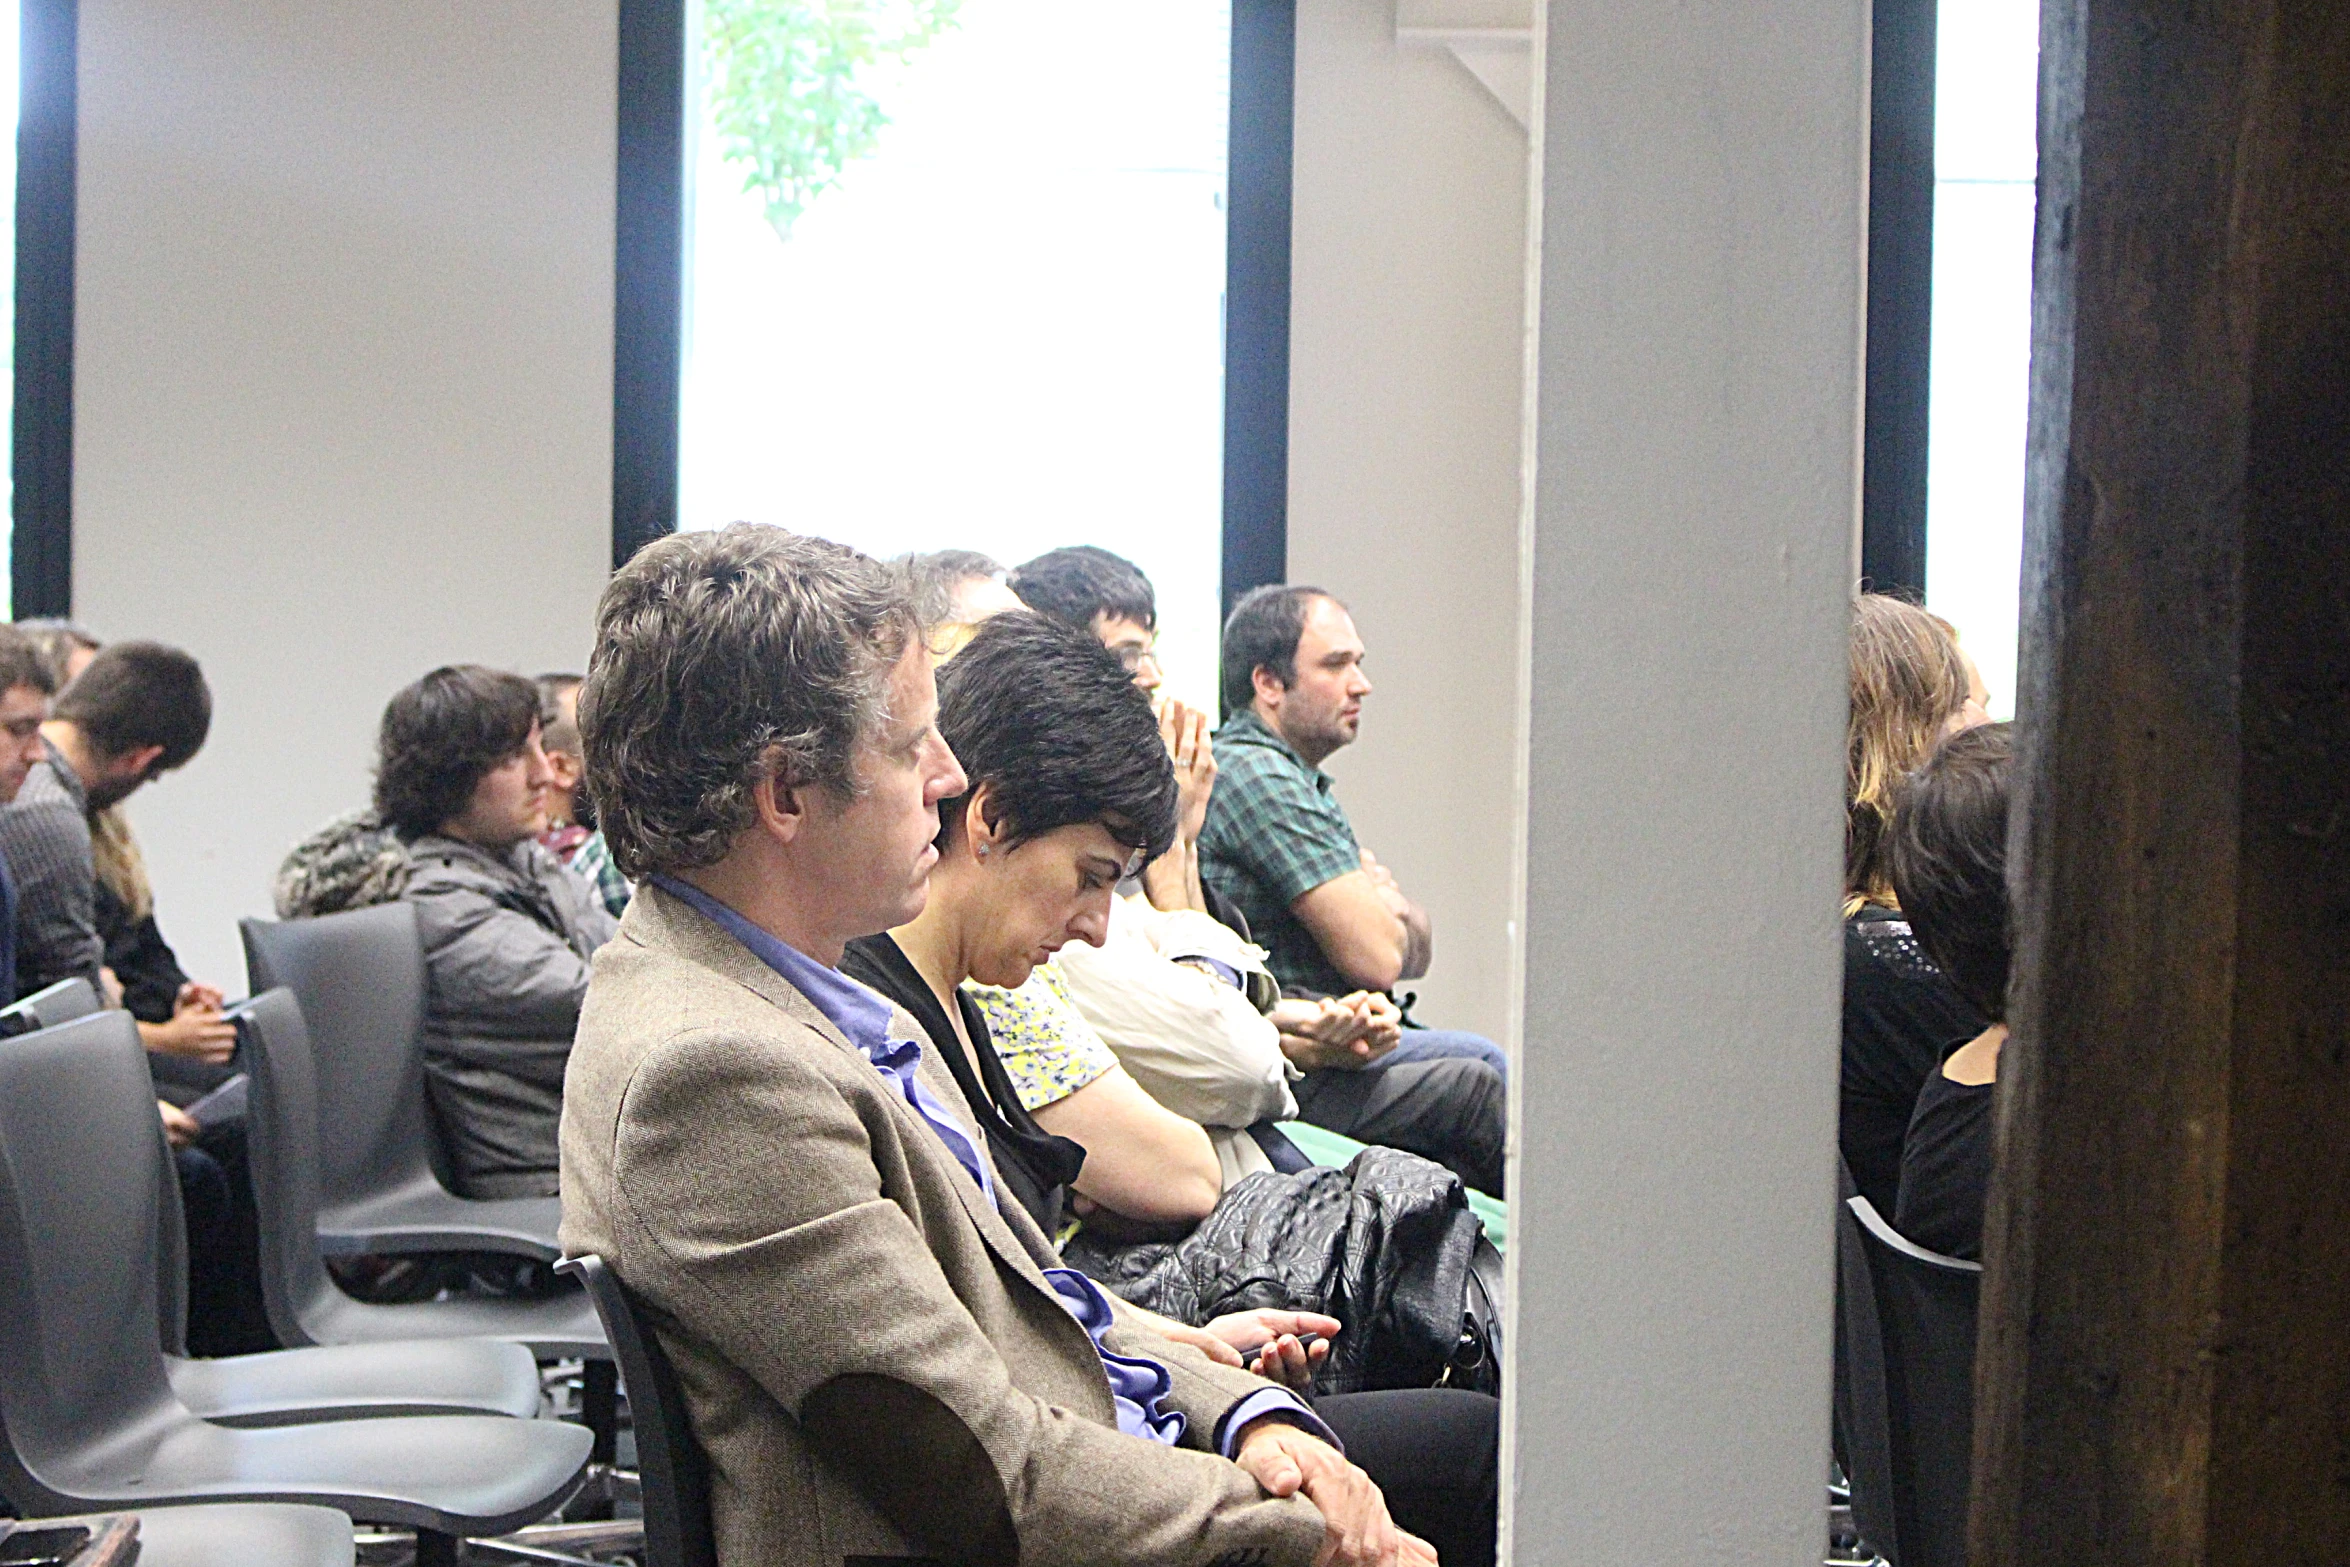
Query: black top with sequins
{"x": 1901, "y": 1019}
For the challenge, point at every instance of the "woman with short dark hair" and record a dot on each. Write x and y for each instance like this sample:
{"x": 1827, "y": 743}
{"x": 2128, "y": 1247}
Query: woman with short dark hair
{"x": 1071, "y": 789}
{"x": 1948, "y": 854}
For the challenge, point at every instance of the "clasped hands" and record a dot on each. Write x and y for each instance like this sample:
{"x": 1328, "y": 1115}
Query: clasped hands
{"x": 1338, "y": 1031}
{"x": 1286, "y": 1459}
{"x": 196, "y": 1030}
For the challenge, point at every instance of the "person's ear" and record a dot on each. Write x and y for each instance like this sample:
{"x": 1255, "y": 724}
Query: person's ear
{"x": 782, "y": 807}
{"x": 565, "y": 767}
{"x": 1269, "y": 689}
{"x": 137, "y": 761}
{"x": 985, "y": 822}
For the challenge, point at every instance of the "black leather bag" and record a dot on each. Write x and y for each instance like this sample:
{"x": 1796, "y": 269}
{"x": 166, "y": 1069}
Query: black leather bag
{"x": 1389, "y": 1246}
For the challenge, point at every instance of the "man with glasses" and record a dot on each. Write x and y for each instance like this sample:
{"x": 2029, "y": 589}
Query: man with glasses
{"x": 1096, "y": 591}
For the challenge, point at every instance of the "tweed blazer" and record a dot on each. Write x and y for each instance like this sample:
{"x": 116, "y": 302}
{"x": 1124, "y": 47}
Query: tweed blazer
{"x": 869, "y": 1351}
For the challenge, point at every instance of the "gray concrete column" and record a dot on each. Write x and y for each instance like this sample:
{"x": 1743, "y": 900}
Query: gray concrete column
{"x": 1694, "y": 507}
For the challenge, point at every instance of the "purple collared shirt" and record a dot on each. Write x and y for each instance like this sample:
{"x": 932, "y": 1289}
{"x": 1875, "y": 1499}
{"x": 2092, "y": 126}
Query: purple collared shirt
{"x": 1136, "y": 1385}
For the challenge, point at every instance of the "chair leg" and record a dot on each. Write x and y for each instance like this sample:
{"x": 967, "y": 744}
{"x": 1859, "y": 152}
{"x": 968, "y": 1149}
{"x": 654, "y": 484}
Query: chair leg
{"x": 599, "y": 1407}
{"x": 434, "y": 1549}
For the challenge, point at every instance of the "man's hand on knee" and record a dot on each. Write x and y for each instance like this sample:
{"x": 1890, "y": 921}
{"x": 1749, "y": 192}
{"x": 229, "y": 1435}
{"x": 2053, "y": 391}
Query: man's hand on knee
{"x": 1356, "y": 1532}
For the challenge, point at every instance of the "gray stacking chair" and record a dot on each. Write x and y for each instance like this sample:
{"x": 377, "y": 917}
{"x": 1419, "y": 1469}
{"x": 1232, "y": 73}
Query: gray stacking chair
{"x": 49, "y": 1006}
{"x": 88, "y": 1418}
{"x": 304, "y": 1305}
{"x": 669, "y": 1460}
{"x": 1906, "y": 1394}
{"x": 360, "y": 979}
{"x": 246, "y": 1534}
{"x": 326, "y": 1382}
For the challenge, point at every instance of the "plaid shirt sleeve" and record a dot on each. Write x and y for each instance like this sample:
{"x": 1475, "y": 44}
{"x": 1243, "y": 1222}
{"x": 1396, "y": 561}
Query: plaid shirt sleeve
{"x": 593, "y": 860}
{"x": 1290, "y": 835}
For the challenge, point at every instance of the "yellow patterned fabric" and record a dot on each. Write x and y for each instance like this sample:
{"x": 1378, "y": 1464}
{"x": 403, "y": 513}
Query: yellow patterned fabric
{"x": 1048, "y": 1049}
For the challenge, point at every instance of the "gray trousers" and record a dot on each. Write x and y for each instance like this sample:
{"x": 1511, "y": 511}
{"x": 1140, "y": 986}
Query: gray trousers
{"x": 1451, "y": 1109}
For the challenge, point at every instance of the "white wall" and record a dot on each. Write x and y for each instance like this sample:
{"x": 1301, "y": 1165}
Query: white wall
{"x": 1695, "y": 506}
{"x": 343, "y": 382}
{"x": 1406, "y": 379}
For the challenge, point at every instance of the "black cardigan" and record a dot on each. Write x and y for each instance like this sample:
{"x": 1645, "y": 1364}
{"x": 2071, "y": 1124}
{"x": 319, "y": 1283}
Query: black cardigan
{"x": 1033, "y": 1164}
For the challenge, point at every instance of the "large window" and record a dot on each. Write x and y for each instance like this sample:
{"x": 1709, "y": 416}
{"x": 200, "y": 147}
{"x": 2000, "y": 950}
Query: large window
{"x": 956, "y": 278}
{"x": 1985, "y": 159}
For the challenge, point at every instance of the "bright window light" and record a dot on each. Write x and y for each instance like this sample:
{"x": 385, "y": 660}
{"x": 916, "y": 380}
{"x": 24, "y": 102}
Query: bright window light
{"x": 1985, "y": 90}
{"x": 957, "y": 280}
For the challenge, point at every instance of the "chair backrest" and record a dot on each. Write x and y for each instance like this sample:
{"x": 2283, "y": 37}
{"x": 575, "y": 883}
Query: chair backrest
{"x": 80, "y": 1193}
{"x": 670, "y": 1462}
{"x": 49, "y": 1006}
{"x": 281, "y": 1143}
{"x": 360, "y": 979}
{"x": 1926, "y": 1307}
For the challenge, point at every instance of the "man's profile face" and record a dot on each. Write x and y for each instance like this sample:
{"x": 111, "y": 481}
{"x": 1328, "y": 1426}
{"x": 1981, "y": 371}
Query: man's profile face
{"x": 22, "y": 708}
{"x": 509, "y": 804}
{"x": 1136, "y": 646}
{"x": 877, "y": 849}
{"x": 1322, "y": 709}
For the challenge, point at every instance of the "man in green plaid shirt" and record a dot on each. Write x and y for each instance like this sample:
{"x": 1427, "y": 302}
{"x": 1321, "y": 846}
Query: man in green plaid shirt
{"x": 1333, "y": 921}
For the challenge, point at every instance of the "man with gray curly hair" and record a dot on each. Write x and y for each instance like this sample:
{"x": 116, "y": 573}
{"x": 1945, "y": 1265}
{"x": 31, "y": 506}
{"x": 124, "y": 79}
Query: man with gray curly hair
{"x": 882, "y": 1360}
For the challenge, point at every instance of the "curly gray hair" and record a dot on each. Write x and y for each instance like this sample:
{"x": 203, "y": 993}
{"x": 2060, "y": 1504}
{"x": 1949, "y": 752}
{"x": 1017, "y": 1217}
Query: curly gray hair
{"x": 720, "y": 659}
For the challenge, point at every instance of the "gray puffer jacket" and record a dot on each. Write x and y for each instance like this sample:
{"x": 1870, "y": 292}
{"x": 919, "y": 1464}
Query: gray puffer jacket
{"x": 506, "y": 945}
{"x": 507, "y": 940}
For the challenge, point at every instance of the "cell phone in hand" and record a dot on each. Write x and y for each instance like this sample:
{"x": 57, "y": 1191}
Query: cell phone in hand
{"x": 51, "y": 1545}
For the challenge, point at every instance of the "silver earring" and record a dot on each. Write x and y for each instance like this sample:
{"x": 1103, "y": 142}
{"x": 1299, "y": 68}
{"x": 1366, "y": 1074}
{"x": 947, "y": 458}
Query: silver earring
{"x": 983, "y": 851}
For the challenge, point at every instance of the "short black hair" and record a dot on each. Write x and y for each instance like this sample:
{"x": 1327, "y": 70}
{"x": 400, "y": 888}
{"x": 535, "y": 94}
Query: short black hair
{"x": 24, "y": 663}
{"x": 1049, "y": 719}
{"x": 1080, "y": 583}
{"x": 440, "y": 736}
{"x": 1949, "y": 854}
{"x": 137, "y": 694}
{"x": 1261, "y": 633}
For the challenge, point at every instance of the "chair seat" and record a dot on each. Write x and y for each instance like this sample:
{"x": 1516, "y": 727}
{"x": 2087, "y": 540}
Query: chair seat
{"x": 236, "y": 1534}
{"x": 562, "y": 1327}
{"x": 456, "y": 1474}
{"x": 421, "y": 1217}
{"x": 353, "y": 1381}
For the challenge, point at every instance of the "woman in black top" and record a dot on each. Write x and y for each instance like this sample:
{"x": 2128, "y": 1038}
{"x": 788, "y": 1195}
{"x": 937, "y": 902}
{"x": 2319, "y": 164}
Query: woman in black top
{"x": 1949, "y": 855}
{"x": 1909, "y": 686}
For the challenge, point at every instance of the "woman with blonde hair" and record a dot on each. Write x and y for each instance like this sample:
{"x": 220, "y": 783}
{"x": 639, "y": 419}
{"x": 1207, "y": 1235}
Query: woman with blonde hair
{"x": 1910, "y": 686}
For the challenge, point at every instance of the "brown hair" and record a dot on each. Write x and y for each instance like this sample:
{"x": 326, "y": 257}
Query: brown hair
{"x": 140, "y": 693}
{"x": 1907, "y": 683}
{"x": 722, "y": 658}
{"x": 441, "y": 736}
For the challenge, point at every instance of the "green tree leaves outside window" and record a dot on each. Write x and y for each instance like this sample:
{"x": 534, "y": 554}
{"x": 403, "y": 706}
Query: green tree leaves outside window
{"x": 790, "y": 86}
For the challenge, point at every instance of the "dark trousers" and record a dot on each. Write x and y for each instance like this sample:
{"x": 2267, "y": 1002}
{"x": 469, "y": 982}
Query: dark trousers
{"x": 226, "y": 1315}
{"x": 1436, "y": 1455}
{"x": 1452, "y": 1109}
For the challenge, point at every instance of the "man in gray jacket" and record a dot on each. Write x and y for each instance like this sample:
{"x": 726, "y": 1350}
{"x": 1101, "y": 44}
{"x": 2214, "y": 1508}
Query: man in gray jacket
{"x": 508, "y": 931}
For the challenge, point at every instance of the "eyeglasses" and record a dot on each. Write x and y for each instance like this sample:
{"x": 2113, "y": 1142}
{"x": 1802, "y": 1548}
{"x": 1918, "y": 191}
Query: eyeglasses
{"x": 1132, "y": 656}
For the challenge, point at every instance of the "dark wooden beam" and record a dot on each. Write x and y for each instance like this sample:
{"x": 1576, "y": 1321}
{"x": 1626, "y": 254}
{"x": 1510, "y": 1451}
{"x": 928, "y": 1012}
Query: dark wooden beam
{"x": 2164, "y": 1371}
